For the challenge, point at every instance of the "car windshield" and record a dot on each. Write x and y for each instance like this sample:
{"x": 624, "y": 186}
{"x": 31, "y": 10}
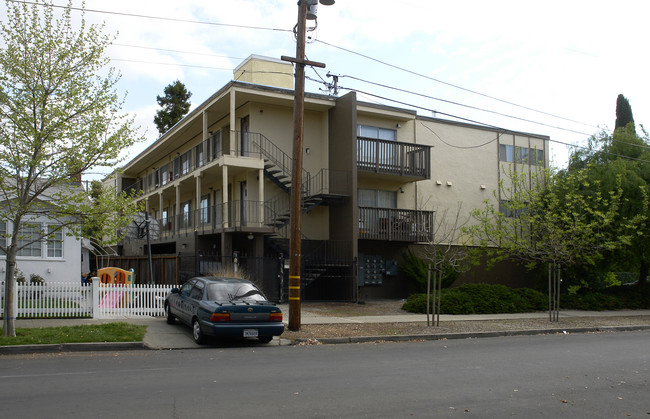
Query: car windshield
{"x": 234, "y": 291}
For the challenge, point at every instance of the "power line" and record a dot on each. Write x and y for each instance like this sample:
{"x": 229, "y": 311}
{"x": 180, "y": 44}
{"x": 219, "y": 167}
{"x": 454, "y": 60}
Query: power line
{"x": 463, "y": 105}
{"x": 167, "y": 19}
{"x": 177, "y": 51}
{"x": 458, "y": 146}
{"x": 142, "y": 16}
{"x": 337, "y": 47}
{"x": 451, "y": 84}
{"x": 642, "y": 146}
{"x": 500, "y": 129}
{"x": 171, "y": 64}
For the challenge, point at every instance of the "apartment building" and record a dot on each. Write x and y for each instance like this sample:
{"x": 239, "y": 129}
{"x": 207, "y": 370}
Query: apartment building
{"x": 217, "y": 185}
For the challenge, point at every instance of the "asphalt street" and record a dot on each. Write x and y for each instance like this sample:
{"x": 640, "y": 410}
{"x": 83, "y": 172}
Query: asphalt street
{"x": 596, "y": 375}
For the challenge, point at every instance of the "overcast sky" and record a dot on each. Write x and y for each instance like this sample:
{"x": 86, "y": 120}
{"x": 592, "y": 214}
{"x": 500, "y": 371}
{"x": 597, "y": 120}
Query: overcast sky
{"x": 566, "y": 58}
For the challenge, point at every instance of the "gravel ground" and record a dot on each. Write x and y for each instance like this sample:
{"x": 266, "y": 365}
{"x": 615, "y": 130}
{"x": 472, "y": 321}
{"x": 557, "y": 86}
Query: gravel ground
{"x": 420, "y": 328}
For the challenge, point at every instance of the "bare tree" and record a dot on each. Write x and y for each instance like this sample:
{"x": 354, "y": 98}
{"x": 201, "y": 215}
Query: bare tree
{"x": 444, "y": 253}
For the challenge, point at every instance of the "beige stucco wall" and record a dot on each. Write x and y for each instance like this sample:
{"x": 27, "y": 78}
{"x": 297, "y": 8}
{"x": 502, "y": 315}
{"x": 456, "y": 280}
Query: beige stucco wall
{"x": 265, "y": 71}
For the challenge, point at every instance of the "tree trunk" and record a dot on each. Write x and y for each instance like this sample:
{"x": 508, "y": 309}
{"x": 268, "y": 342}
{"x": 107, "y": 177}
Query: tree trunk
{"x": 8, "y": 324}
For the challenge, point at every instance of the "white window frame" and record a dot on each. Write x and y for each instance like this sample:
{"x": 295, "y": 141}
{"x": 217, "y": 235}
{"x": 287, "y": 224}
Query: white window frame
{"x": 30, "y": 232}
{"x": 54, "y": 244}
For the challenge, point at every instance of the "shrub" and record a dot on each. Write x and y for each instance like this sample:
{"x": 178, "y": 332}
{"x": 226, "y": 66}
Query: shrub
{"x": 612, "y": 298}
{"x": 481, "y": 299}
{"x": 36, "y": 279}
{"x": 595, "y": 301}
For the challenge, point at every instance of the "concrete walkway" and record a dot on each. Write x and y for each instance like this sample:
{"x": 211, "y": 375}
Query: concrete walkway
{"x": 160, "y": 335}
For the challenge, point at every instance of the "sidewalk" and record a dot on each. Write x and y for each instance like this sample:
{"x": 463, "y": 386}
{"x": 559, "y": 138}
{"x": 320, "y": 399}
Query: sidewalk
{"x": 160, "y": 335}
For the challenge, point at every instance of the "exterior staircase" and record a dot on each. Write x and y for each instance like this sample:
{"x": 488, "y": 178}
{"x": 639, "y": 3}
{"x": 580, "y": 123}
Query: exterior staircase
{"x": 323, "y": 262}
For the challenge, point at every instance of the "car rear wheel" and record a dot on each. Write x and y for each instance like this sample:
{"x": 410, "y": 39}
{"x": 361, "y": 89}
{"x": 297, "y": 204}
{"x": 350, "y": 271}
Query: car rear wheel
{"x": 170, "y": 317}
{"x": 265, "y": 339}
{"x": 197, "y": 334}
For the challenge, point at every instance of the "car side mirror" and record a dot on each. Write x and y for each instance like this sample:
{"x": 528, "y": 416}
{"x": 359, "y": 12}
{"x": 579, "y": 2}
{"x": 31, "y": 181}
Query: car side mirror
{"x": 175, "y": 291}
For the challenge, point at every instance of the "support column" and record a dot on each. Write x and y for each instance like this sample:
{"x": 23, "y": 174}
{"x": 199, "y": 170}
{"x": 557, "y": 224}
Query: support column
{"x": 177, "y": 213}
{"x": 233, "y": 126}
{"x": 205, "y": 128}
{"x": 198, "y": 189}
{"x": 260, "y": 195}
{"x": 224, "y": 197}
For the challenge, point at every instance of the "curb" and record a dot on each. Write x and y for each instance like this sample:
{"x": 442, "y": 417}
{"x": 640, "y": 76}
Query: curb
{"x": 469, "y": 335}
{"x": 130, "y": 346}
{"x": 70, "y": 347}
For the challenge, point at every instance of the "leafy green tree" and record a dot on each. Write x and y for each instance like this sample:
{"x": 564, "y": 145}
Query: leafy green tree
{"x": 623, "y": 113}
{"x": 58, "y": 118}
{"x": 175, "y": 105}
{"x": 623, "y": 155}
{"x": 549, "y": 218}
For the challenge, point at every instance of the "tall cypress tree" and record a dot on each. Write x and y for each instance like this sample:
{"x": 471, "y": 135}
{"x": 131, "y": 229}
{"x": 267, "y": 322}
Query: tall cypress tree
{"x": 175, "y": 105}
{"x": 623, "y": 113}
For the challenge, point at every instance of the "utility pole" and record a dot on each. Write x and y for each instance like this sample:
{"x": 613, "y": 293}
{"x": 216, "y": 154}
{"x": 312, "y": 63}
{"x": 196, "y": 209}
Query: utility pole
{"x": 295, "y": 240}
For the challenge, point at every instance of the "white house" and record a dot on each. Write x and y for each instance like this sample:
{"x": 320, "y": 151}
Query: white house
{"x": 47, "y": 251}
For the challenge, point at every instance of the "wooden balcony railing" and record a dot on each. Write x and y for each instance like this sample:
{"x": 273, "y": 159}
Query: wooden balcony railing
{"x": 240, "y": 215}
{"x": 395, "y": 224}
{"x": 392, "y": 157}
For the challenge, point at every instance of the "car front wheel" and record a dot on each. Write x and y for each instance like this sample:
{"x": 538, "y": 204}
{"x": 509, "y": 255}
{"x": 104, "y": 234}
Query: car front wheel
{"x": 170, "y": 317}
{"x": 197, "y": 334}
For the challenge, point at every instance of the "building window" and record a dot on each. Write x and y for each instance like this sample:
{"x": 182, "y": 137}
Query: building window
{"x": 507, "y": 209}
{"x": 29, "y": 241}
{"x": 205, "y": 209}
{"x": 216, "y": 144}
{"x": 511, "y": 154}
{"x": 187, "y": 213}
{"x": 383, "y": 154}
{"x": 376, "y": 132}
{"x": 198, "y": 155}
{"x": 377, "y": 198}
{"x": 521, "y": 154}
{"x": 165, "y": 175}
{"x": 506, "y": 153}
{"x": 185, "y": 162}
{"x": 54, "y": 242}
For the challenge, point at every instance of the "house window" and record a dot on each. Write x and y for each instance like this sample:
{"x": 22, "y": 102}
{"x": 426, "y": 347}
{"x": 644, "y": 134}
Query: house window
{"x": 54, "y": 242}
{"x": 29, "y": 241}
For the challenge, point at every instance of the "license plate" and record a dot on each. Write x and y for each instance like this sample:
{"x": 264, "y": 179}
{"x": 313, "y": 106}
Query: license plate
{"x": 250, "y": 333}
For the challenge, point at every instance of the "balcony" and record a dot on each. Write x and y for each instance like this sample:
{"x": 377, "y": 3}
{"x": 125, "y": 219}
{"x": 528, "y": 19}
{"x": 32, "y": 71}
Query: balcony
{"x": 394, "y": 158}
{"x": 393, "y": 224}
{"x": 248, "y": 216}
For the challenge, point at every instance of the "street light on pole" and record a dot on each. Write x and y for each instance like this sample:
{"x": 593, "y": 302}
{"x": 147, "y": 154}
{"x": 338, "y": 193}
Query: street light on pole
{"x": 295, "y": 242}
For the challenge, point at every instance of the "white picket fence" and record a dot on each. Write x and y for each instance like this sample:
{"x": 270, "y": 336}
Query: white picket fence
{"x": 92, "y": 300}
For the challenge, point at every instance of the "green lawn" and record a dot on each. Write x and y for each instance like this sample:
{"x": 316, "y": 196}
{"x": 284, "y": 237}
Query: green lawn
{"x": 111, "y": 332}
